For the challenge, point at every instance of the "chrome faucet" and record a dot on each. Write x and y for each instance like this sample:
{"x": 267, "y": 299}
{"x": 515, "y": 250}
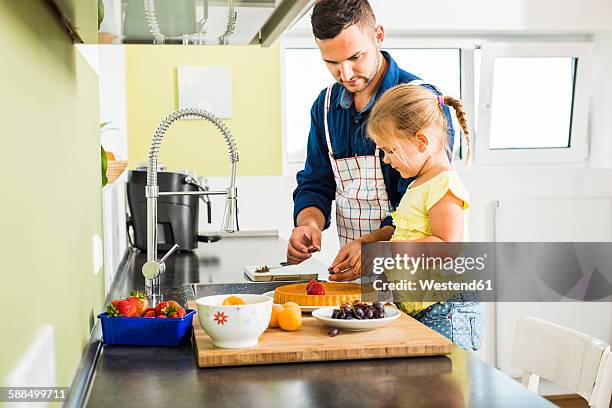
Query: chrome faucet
{"x": 153, "y": 269}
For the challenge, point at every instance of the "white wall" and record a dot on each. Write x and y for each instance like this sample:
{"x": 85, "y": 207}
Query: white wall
{"x": 112, "y": 99}
{"x": 113, "y": 139}
{"x": 522, "y": 16}
{"x": 601, "y": 102}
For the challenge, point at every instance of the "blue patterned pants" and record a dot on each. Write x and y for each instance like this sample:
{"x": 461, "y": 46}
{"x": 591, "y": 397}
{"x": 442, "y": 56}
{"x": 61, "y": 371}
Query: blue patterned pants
{"x": 460, "y": 319}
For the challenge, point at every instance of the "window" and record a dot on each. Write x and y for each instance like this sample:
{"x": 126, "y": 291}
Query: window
{"x": 306, "y": 76}
{"x": 533, "y": 103}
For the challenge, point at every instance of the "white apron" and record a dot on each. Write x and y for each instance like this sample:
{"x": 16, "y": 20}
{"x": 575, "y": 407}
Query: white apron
{"x": 361, "y": 195}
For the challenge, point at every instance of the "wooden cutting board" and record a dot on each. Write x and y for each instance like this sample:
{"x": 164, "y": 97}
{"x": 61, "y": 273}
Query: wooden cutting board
{"x": 404, "y": 337}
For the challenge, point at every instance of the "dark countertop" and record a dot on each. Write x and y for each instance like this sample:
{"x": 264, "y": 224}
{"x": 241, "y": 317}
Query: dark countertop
{"x": 155, "y": 376}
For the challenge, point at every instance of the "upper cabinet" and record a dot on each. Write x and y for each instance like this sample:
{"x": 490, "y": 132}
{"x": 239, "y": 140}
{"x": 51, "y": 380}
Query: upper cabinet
{"x": 198, "y": 22}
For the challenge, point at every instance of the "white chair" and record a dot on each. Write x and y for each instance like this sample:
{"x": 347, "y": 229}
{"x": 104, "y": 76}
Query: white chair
{"x": 570, "y": 359}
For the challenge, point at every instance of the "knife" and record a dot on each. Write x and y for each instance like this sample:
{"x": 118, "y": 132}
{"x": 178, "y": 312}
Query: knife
{"x": 267, "y": 268}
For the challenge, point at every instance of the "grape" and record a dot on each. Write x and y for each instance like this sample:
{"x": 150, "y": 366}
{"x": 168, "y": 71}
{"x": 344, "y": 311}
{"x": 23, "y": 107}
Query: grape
{"x": 333, "y": 331}
{"x": 358, "y": 310}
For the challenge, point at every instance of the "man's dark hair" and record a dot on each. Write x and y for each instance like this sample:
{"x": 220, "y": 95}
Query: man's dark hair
{"x": 330, "y": 17}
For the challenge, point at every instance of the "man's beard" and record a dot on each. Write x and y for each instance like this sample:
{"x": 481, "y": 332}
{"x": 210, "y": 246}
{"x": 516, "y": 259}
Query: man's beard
{"x": 368, "y": 78}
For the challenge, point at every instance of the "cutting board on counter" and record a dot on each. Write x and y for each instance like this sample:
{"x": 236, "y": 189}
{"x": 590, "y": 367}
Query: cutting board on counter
{"x": 404, "y": 337}
{"x": 285, "y": 273}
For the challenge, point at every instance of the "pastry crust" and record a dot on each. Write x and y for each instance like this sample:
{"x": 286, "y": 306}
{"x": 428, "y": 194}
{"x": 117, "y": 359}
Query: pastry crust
{"x": 335, "y": 294}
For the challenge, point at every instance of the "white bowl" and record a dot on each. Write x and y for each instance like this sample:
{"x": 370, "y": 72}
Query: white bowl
{"x": 324, "y": 315}
{"x": 234, "y": 326}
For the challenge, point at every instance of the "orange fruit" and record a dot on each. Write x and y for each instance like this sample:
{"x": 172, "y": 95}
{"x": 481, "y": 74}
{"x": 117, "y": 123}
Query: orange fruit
{"x": 110, "y": 156}
{"x": 292, "y": 305}
{"x": 233, "y": 301}
{"x": 290, "y": 319}
{"x": 276, "y": 309}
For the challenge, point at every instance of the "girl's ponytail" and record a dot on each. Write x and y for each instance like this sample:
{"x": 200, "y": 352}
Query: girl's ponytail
{"x": 462, "y": 118}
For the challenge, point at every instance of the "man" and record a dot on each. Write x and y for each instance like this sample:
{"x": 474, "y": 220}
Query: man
{"x": 342, "y": 164}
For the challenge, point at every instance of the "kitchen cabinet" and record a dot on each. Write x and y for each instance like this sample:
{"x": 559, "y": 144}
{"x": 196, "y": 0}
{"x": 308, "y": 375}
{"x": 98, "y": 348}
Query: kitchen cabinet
{"x": 200, "y": 22}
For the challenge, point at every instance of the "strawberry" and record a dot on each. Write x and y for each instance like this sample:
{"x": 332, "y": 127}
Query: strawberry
{"x": 116, "y": 301}
{"x": 316, "y": 289}
{"x": 150, "y": 309}
{"x": 160, "y": 306}
{"x": 141, "y": 299}
{"x": 111, "y": 310}
{"x": 309, "y": 284}
{"x": 150, "y": 313}
{"x": 161, "y": 316}
{"x": 128, "y": 309}
{"x": 174, "y": 310}
{"x": 123, "y": 308}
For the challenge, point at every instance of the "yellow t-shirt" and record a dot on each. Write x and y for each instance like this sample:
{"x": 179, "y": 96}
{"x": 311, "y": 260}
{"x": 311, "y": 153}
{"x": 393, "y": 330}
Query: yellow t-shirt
{"x": 411, "y": 218}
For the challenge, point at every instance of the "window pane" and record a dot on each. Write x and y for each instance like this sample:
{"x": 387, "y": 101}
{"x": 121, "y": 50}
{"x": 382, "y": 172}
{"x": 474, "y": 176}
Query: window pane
{"x": 306, "y": 75}
{"x": 532, "y": 103}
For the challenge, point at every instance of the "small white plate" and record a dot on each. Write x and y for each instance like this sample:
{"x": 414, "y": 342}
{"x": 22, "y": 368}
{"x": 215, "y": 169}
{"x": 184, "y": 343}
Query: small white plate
{"x": 305, "y": 309}
{"x": 324, "y": 315}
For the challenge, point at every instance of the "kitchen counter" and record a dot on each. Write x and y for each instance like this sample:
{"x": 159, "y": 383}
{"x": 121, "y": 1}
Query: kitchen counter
{"x": 154, "y": 376}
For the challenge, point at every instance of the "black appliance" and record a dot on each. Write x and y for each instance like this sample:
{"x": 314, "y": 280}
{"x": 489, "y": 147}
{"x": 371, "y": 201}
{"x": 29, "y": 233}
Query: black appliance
{"x": 177, "y": 215}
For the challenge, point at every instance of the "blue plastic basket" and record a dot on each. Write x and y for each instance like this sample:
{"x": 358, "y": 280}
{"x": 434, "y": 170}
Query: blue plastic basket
{"x": 146, "y": 331}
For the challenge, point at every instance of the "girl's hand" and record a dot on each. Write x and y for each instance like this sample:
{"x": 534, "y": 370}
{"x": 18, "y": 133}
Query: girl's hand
{"x": 347, "y": 265}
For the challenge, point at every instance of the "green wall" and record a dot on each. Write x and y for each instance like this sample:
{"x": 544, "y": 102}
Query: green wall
{"x": 51, "y": 189}
{"x": 196, "y": 144}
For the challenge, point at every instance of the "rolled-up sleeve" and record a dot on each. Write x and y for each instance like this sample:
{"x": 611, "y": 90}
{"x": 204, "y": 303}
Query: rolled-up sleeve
{"x": 316, "y": 186}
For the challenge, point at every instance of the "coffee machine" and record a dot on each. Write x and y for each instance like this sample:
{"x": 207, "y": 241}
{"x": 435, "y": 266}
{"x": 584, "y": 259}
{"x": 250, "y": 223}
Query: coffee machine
{"x": 177, "y": 215}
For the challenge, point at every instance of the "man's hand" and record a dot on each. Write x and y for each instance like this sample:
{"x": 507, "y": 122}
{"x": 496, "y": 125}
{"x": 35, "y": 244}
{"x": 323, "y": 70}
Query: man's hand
{"x": 347, "y": 265}
{"x": 303, "y": 242}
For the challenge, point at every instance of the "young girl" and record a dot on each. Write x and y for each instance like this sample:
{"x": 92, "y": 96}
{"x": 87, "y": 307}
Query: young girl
{"x": 409, "y": 125}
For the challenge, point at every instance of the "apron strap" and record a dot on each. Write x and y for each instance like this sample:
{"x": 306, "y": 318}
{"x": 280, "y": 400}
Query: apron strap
{"x": 325, "y": 114}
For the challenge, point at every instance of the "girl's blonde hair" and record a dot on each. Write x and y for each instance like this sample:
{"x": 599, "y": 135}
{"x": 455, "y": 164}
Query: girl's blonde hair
{"x": 409, "y": 109}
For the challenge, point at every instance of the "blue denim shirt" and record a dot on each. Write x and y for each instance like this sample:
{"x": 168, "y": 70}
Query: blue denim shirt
{"x": 347, "y": 129}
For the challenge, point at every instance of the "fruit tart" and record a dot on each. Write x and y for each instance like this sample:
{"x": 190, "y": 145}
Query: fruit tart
{"x": 316, "y": 293}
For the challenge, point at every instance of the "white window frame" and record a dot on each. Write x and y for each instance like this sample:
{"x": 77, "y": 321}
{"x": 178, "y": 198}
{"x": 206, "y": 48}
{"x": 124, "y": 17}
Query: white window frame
{"x": 577, "y": 152}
